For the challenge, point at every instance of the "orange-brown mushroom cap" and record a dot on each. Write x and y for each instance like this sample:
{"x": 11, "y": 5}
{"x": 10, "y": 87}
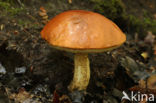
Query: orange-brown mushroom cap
{"x": 82, "y": 30}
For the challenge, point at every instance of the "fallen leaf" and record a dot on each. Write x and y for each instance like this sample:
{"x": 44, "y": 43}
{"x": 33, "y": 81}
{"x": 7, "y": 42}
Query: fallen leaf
{"x": 23, "y": 97}
{"x": 65, "y": 99}
{"x": 142, "y": 83}
{"x": 2, "y": 27}
{"x": 146, "y": 88}
{"x": 43, "y": 9}
{"x": 70, "y": 1}
{"x": 45, "y": 17}
{"x": 16, "y": 32}
{"x": 149, "y": 38}
{"x": 43, "y": 14}
{"x": 144, "y": 55}
{"x": 151, "y": 82}
{"x": 143, "y": 90}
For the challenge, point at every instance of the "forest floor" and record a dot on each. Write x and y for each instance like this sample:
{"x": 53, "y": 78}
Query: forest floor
{"x": 31, "y": 71}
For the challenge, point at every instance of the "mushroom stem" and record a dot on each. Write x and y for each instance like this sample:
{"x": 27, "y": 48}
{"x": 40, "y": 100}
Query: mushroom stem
{"x": 81, "y": 72}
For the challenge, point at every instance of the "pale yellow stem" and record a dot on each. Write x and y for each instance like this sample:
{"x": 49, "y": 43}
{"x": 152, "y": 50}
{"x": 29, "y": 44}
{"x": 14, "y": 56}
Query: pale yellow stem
{"x": 81, "y": 72}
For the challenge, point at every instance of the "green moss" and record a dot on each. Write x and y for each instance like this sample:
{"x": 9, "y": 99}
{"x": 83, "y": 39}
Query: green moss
{"x": 151, "y": 24}
{"x": 134, "y": 24}
{"x": 27, "y": 23}
{"x": 110, "y": 8}
{"x": 4, "y": 5}
{"x": 115, "y": 10}
{"x": 8, "y": 9}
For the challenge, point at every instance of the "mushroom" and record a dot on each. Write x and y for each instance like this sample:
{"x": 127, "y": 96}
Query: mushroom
{"x": 82, "y": 32}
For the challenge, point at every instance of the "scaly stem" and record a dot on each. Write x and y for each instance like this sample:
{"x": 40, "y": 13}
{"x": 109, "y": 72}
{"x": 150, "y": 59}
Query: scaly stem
{"x": 81, "y": 72}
